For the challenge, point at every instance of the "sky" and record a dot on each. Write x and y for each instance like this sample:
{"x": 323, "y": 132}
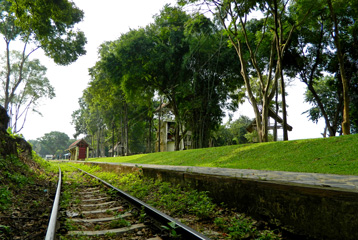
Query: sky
{"x": 106, "y": 21}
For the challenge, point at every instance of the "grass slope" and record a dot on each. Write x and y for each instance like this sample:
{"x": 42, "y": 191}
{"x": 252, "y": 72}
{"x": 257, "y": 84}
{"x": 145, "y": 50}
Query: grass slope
{"x": 336, "y": 155}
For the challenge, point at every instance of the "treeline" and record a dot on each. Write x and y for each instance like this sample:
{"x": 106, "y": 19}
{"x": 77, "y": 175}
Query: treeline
{"x": 53, "y": 143}
{"x": 180, "y": 61}
{"x": 190, "y": 68}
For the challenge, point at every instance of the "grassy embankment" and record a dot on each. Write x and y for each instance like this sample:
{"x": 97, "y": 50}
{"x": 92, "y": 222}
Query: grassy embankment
{"x": 337, "y": 155}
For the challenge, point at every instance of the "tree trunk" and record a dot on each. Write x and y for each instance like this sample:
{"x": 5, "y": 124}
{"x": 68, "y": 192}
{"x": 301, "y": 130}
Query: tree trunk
{"x": 177, "y": 137}
{"x": 122, "y": 131}
{"x": 126, "y": 128}
{"x": 331, "y": 129}
{"x": 280, "y": 51}
{"x": 284, "y": 111}
{"x": 276, "y": 112}
{"x": 103, "y": 153}
{"x": 249, "y": 91}
{"x": 113, "y": 138}
{"x": 149, "y": 140}
{"x": 346, "y": 121}
{"x": 7, "y": 85}
{"x": 159, "y": 124}
{"x": 98, "y": 141}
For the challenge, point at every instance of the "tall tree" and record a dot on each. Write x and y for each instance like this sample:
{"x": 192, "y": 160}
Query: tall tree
{"x": 260, "y": 45}
{"x": 213, "y": 75}
{"x": 325, "y": 44}
{"x": 330, "y": 99}
{"x": 153, "y": 59}
{"x": 54, "y": 143}
{"x": 336, "y": 34}
{"x": 25, "y": 90}
{"x": 40, "y": 24}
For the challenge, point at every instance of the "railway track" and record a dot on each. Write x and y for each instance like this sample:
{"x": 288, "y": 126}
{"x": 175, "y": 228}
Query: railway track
{"x": 94, "y": 209}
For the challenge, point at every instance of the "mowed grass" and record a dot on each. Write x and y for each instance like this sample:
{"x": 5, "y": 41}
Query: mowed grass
{"x": 336, "y": 155}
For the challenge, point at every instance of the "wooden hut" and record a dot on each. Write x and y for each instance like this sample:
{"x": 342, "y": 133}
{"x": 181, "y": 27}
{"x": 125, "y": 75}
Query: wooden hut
{"x": 79, "y": 150}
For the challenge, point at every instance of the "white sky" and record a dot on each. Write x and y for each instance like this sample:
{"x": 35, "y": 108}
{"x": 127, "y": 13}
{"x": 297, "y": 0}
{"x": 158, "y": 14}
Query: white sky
{"x": 104, "y": 21}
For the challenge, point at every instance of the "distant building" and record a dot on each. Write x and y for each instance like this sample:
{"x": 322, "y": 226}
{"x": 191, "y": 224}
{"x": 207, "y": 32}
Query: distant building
{"x": 118, "y": 149}
{"x": 167, "y": 138}
{"x": 79, "y": 150}
{"x": 166, "y": 131}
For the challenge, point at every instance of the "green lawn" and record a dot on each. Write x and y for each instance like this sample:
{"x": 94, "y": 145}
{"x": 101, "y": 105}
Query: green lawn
{"x": 337, "y": 155}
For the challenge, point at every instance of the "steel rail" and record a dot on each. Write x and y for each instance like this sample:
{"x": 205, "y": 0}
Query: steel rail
{"x": 51, "y": 229}
{"x": 185, "y": 231}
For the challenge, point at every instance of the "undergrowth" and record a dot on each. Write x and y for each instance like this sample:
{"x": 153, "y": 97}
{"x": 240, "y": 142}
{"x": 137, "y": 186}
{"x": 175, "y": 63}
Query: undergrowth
{"x": 14, "y": 175}
{"x": 26, "y": 191}
{"x": 183, "y": 203}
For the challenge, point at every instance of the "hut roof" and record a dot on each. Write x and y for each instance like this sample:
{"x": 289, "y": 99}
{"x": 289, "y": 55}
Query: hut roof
{"x": 78, "y": 142}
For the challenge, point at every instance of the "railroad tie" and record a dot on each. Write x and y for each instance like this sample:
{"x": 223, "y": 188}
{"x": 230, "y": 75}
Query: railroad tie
{"x": 107, "y": 219}
{"x": 104, "y": 232}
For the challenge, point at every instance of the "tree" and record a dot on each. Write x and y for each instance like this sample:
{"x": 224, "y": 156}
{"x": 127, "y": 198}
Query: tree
{"x": 331, "y": 100}
{"x": 27, "y": 88}
{"x": 340, "y": 55}
{"x": 239, "y": 129}
{"x": 320, "y": 45}
{"x": 233, "y": 132}
{"x": 260, "y": 45}
{"x": 40, "y": 24}
{"x": 54, "y": 143}
{"x": 213, "y": 75}
{"x": 161, "y": 58}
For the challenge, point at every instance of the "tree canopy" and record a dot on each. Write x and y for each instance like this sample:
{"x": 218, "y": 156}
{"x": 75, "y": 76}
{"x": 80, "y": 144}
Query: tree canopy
{"x": 46, "y": 24}
{"x": 52, "y": 143}
{"x": 181, "y": 59}
{"x": 28, "y": 87}
{"x": 188, "y": 68}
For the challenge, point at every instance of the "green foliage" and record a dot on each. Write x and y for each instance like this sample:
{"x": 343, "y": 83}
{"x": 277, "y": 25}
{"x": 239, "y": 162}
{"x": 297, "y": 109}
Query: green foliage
{"x": 44, "y": 164}
{"x": 260, "y": 45}
{"x": 52, "y": 143}
{"x": 13, "y": 170}
{"x": 5, "y": 198}
{"x": 325, "y": 89}
{"x": 200, "y": 204}
{"x": 175, "y": 201}
{"x": 119, "y": 223}
{"x": 171, "y": 228}
{"x": 70, "y": 225}
{"x": 180, "y": 57}
{"x": 10, "y": 132}
{"x": 232, "y": 133}
{"x": 242, "y": 227}
{"x": 49, "y": 25}
{"x": 253, "y": 137}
